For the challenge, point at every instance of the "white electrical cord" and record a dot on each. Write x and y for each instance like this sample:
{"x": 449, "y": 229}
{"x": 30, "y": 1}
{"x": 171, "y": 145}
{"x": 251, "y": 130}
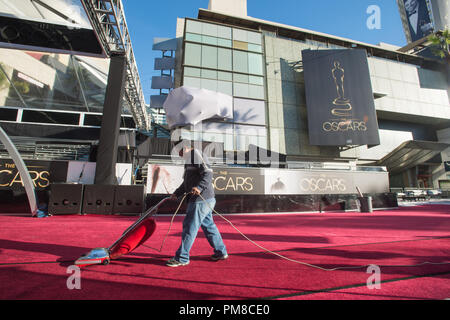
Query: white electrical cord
{"x": 282, "y": 256}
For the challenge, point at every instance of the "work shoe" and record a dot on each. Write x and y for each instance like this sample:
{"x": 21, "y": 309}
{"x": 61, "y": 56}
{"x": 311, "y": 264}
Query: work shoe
{"x": 219, "y": 256}
{"x": 175, "y": 263}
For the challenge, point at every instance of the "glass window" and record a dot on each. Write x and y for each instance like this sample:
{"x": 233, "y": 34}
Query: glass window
{"x": 209, "y": 84}
{"x": 92, "y": 120}
{"x": 193, "y": 72}
{"x": 240, "y": 90}
{"x": 243, "y": 141}
{"x": 256, "y": 80}
{"x": 240, "y": 61}
{"x": 193, "y": 26}
{"x": 209, "y": 74}
{"x": 224, "y": 32}
{"x": 50, "y": 117}
{"x": 8, "y": 114}
{"x": 193, "y": 37}
{"x": 217, "y": 127}
{"x": 240, "y": 35}
{"x": 209, "y": 57}
{"x": 254, "y": 47}
{"x": 262, "y": 142}
{"x": 53, "y": 81}
{"x": 224, "y": 42}
{"x": 243, "y": 78}
{"x": 255, "y": 92}
{"x": 225, "y": 87}
{"x": 192, "y": 82}
{"x": 209, "y": 29}
{"x": 209, "y": 40}
{"x": 246, "y": 135}
{"x": 227, "y": 76}
{"x": 255, "y": 63}
{"x": 213, "y": 137}
{"x": 254, "y": 37}
{"x": 224, "y": 59}
{"x": 249, "y": 111}
{"x": 193, "y": 54}
{"x": 240, "y": 45}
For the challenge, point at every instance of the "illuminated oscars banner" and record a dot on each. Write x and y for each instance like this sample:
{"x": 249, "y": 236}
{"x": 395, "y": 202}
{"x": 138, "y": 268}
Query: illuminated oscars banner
{"x": 165, "y": 179}
{"x": 42, "y": 173}
{"x": 238, "y": 181}
{"x": 284, "y": 182}
{"x": 339, "y": 98}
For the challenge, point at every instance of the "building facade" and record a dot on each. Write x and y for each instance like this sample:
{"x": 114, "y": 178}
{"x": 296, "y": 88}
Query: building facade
{"x": 260, "y": 64}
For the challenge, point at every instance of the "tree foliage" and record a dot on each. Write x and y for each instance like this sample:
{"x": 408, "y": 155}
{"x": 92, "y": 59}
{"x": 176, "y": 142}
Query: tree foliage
{"x": 440, "y": 44}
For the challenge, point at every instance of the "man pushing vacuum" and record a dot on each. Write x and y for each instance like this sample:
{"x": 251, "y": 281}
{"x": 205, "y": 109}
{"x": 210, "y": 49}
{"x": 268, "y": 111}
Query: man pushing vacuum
{"x": 197, "y": 187}
{"x": 197, "y": 180}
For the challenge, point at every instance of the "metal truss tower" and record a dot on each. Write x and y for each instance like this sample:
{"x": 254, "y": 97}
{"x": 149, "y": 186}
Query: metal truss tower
{"x": 108, "y": 20}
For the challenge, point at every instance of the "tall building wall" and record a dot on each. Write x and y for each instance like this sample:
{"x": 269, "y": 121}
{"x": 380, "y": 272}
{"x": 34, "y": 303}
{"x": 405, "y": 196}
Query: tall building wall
{"x": 288, "y": 120}
{"x": 231, "y": 7}
{"x": 404, "y": 92}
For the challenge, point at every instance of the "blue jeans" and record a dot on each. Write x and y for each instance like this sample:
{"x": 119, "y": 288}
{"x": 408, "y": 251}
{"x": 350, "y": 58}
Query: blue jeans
{"x": 199, "y": 214}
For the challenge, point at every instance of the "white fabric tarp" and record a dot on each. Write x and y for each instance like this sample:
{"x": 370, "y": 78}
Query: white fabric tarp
{"x": 188, "y": 106}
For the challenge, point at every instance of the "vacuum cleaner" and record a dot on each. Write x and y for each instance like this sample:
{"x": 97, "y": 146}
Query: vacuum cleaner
{"x": 132, "y": 238}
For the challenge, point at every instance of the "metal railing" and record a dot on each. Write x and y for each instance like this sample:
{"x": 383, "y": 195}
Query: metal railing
{"x": 108, "y": 20}
{"x": 39, "y": 151}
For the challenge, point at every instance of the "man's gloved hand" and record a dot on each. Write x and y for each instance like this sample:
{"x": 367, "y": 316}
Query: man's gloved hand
{"x": 195, "y": 191}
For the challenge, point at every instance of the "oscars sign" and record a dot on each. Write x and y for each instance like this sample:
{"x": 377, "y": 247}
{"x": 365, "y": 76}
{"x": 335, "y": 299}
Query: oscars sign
{"x": 339, "y": 97}
{"x": 42, "y": 174}
{"x": 164, "y": 179}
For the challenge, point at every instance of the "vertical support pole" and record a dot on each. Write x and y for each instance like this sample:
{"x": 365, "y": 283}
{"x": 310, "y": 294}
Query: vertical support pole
{"x": 105, "y": 173}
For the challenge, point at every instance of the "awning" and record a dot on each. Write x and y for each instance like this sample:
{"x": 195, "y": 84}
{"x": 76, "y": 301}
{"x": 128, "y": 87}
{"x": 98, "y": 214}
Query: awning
{"x": 410, "y": 154}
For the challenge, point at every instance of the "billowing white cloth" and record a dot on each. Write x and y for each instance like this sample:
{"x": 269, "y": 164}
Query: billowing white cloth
{"x": 188, "y": 106}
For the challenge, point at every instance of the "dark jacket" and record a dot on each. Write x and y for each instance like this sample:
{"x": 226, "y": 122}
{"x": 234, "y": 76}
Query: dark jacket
{"x": 197, "y": 173}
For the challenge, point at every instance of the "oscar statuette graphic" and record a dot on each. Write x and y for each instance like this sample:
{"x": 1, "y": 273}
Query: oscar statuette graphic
{"x": 339, "y": 98}
{"x": 345, "y": 109}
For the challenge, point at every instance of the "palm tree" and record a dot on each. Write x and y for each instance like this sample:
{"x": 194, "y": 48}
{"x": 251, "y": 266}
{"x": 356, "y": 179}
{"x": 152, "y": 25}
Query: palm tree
{"x": 440, "y": 44}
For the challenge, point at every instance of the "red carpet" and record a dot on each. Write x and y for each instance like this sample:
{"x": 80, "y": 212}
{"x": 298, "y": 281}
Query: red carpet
{"x": 35, "y": 254}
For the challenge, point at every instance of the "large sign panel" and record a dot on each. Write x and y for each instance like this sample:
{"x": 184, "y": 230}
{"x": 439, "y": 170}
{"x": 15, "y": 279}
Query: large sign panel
{"x": 165, "y": 179}
{"x": 42, "y": 173}
{"x": 238, "y": 181}
{"x": 278, "y": 182}
{"x": 418, "y": 19}
{"x": 339, "y": 98}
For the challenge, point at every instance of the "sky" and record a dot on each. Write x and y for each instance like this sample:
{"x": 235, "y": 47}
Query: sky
{"x": 149, "y": 19}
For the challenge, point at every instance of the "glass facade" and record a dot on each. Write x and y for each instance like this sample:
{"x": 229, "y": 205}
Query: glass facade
{"x": 50, "y": 88}
{"x": 228, "y": 60}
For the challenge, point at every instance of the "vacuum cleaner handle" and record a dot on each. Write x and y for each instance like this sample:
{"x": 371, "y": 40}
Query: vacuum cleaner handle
{"x": 149, "y": 213}
{"x": 146, "y": 215}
